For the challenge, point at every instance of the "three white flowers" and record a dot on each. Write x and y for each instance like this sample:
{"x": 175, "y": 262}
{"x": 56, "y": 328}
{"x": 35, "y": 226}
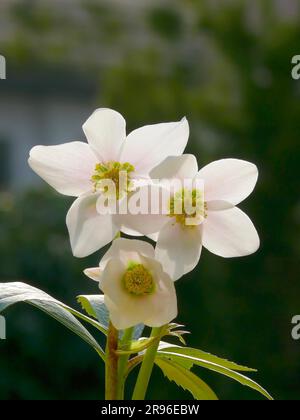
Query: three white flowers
{"x": 136, "y": 279}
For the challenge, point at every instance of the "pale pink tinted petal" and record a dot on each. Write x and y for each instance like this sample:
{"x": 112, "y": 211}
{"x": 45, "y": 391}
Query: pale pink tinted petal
{"x": 148, "y": 146}
{"x": 179, "y": 248}
{"x": 68, "y": 167}
{"x": 88, "y": 230}
{"x": 230, "y": 180}
{"x": 230, "y": 233}
{"x": 106, "y": 132}
{"x": 178, "y": 167}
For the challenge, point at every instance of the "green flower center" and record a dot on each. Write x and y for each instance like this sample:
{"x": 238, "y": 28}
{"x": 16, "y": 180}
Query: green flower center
{"x": 138, "y": 280}
{"x": 117, "y": 172}
{"x": 188, "y": 207}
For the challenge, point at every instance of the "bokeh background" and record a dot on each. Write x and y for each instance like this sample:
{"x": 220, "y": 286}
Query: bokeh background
{"x": 226, "y": 65}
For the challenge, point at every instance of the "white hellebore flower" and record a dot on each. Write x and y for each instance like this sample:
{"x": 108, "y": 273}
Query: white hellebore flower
{"x": 79, "y": 169}
{"x": 136, "y": 289}
{"x": 218, "y": 224}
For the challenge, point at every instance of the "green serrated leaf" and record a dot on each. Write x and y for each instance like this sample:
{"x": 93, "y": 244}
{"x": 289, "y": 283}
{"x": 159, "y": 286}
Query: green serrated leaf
{"x": 199, "y": 354}
{"x": 187, "y": 380}
{"x": 216, "y": 368}
{"x": 187, "y": 364}
{"x": 12, "y": 293}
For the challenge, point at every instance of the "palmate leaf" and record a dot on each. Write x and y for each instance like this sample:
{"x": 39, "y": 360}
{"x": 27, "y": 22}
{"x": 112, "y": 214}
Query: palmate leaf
{"x": 186, "y": 379}
{"x": 215, "y": 367}
{"x": 94, "y": 306}
{"x": 12, "y": 293}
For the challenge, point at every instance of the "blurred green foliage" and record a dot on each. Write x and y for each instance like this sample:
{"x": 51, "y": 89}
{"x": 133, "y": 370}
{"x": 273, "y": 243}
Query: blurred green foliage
{"x": 166, "y": 22}
{"x": 227, "y": 69}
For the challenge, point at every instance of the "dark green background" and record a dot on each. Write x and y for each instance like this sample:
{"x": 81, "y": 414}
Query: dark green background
{"x": 242, "y": 102}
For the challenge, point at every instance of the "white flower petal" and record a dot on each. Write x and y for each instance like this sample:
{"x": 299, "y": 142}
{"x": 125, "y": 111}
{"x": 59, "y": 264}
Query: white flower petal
{"x": 148, "y": 146}
{"x": 154, "y": 237}
{"x": 129, "y": 232}
{"x": 129, "y": 312}
{"x": 127, "y": 250}
{"x": 179, "y": 248}
{"x": 163, "y": 302}
{"x": 147, "y": 210}
{"x": 176, "y": 167}
{"x": 93, "y": 273}
{"x": 143, "y": 224}
{"x": 111, "y": 281}
{"x": 116, "y": 315}
{"x": 229, "y": 180}
{"x": 106, "y": 133}
{"x": 126, "y": 315}
{"x": 88, "y": 230}
{"x": 219, "y": 205}
{"x": 230, "y": 233}
{"x": 68, "y": 167}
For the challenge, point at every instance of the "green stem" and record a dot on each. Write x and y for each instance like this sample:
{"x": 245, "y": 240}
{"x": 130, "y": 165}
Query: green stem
{"x": 111, "y": 365}
{"x": 123, "y": 362}
{"x": 147, "y": 367}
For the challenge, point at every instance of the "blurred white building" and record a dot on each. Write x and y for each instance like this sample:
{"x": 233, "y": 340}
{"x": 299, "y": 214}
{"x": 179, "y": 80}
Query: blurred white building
{"x": 26, "y": 121}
